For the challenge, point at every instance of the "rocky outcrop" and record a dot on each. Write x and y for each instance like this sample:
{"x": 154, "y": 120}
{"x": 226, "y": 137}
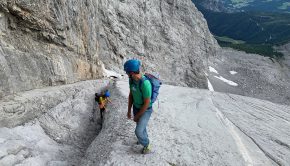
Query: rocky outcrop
{"x": 60, "y": 42}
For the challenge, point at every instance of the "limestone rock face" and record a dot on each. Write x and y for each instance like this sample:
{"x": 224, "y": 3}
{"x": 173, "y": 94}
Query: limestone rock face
{"x": 47, "y": 43}
{"x": 169, "y": 36}
{"x": 60, "y": 42}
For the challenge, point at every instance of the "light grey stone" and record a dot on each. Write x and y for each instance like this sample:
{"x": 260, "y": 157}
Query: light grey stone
{"x": 61, "y": 42}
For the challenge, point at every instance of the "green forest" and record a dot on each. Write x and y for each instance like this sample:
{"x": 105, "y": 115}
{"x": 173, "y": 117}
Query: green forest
{"x": 253, "y": 32}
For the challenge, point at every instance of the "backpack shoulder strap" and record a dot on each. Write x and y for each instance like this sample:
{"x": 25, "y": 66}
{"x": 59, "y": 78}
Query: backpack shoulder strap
{"x": 141, "y": 83}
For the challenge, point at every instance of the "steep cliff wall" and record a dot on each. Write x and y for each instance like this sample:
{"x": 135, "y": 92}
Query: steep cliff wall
{"x": 170, "y": 36}
{"x": 60, "y": 42}
{"x": 47, "y": 43}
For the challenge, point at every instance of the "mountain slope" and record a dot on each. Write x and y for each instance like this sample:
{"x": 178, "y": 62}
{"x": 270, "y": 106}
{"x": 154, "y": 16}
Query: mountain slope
{"x": 197, "y": 127}
{"x": 254, "y": 75}
{"x": 187, "y": 126}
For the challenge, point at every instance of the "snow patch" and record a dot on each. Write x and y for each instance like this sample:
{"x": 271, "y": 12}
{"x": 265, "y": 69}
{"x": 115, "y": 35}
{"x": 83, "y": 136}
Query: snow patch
{"x": 110, "y": 73}
{"x": 226, "y": 81}
{"x": 213, "y": 70}
{"x": 233, "y": 72}
{"x": 210, "y": 87}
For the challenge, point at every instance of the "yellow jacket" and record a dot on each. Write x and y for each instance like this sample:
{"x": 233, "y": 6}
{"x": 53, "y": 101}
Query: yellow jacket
{"x": 102, "y": 102}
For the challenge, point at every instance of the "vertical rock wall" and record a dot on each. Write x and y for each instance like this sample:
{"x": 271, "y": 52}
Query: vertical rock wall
{"x": 53, "y": 42}
{"x": 169, "y": 36}
{"x": 47, "y": 43}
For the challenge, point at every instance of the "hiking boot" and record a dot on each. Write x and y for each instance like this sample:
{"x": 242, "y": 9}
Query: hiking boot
{"x": 146, "y": 149}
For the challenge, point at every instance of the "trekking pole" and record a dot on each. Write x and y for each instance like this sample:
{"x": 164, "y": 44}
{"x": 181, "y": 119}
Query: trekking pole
{"x": 158, "y": 104}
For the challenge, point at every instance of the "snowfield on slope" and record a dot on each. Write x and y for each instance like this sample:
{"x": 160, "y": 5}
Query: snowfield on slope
{"x": 196, "y": 127}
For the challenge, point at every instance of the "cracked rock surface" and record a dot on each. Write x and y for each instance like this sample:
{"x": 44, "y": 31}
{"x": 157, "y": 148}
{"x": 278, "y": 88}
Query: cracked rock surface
{"x": 196, "y": 127}
{"x": 46, "y": 131}
{"x": 187, "y": 126}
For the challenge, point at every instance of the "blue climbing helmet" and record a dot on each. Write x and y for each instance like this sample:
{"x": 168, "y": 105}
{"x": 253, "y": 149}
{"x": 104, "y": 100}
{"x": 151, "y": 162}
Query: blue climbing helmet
{"x": 132, "y": 65}
{"x": 107, "y": 93}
